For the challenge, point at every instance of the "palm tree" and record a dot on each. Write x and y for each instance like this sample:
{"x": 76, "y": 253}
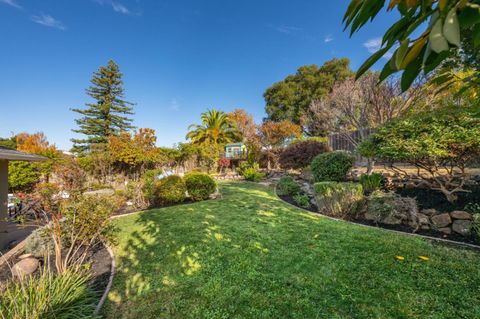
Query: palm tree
{"x": 216, "y": 128}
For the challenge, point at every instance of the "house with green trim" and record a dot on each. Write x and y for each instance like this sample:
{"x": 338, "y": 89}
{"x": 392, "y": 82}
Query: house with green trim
{"x": 235, "y": 151}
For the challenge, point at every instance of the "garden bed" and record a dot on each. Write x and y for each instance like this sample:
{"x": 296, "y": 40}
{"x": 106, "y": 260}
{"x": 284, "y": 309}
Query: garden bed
{"x": 100, "y": 268}
{"x": 289, "y": 199}
{"x": 426, "y": 199}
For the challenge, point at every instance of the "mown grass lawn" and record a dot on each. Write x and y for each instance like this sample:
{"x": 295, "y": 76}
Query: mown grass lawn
{"x": 250, "y": 255}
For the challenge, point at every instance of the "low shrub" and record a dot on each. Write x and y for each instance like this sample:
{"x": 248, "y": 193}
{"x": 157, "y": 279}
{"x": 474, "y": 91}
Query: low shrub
{"x": 339, "y": 199}
{"x": 148, "y": 180}
{"x": 251, "y": 172}
{"x": 391, "y": 208}
{"x": 49, "y": 295}
{"x": 39, "y": 243}
{"x": 302, "y": 200}
{"x": 253, "y": 175}
{"x": 200, "y": 186}
{"x": 371, "y": 182}
{"x": 288, "y": 186}
{"x": 300, "y": 154}
{"x": 332, "y": 166}
{"x": 170, "y": 190}
{"x": 472, "y": 208}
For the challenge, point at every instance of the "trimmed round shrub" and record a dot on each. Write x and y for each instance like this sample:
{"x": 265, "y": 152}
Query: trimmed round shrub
{"x": 170, "y": 190}
{"x": 332, "y": 166}
{"x": 300, "y": 154}
{"x": 200, "y": 186}
{"x": 288, "y": 186}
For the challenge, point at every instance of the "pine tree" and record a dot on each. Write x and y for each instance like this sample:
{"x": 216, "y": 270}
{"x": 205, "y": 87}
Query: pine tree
{"x": 107, "y": 116}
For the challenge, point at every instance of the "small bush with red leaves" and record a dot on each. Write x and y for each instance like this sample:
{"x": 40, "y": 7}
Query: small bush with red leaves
{"x": 300, "y": 154}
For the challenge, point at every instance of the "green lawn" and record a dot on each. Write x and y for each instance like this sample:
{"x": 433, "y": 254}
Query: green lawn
{"x": 250, "y": 255}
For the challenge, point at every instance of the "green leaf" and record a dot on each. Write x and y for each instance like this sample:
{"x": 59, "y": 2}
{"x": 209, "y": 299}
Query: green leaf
{"x": 411, "y": 72}
{"x": 451, "y": 29}
{"x": 370, "y": 61}
{"x": 438, "y": 43}
{"x": 351, "y": 11}
{"x": 386, "y": 72}
{"x": 401, "y": 52}
{"x": 476, "y": 36}
{"x": 434, "y": 60}
{"x": 469, "y": 16}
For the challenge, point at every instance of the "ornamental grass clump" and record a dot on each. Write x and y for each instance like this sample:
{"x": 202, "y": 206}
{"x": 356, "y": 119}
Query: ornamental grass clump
{"x": 342, "y": 200}
{"x": 65, "y": 296}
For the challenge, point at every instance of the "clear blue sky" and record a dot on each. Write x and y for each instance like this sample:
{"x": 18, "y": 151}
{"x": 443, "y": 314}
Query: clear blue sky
{"x": 179, "y": 57}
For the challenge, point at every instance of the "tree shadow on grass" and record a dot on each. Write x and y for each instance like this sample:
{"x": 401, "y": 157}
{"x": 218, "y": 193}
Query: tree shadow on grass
{"x": 250, "y": 255}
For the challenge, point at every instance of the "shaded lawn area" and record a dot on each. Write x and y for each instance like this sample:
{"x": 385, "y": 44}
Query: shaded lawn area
{"x": 250, "y": 255}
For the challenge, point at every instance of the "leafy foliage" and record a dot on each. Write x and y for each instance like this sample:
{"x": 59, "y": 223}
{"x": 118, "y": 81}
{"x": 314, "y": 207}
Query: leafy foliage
{"x": 381, "y": 205}
{"x": 277, "y": 134}
{"x": 216, "y": 128}
{"x": 22, "y": 176}
{"x": 133, "y": 153}
{"x": 288, "y": 186}
{"x": 289, "y": 99}
{"x": 64, "y": 296}
{"x": 170, "y": 190}
{"x": 449, "y": 24}
{"x": 108, "y": 116}
{"x": 251, "y": 172}
{"x": 439, "y": 143}
{"x": 332, "y": 166}
{"x": 71, "y": 176}
{"x": 149, "y": 179}
{"x": 371, "y": 182}
{"x": 300, "y": 154}
{"x": 338, "y": 199}
{"x": 200, "y": 185}
{"x": 302, "y": 200}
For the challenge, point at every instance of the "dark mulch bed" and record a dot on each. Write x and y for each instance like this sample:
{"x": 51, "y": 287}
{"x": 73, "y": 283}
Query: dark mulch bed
{"x": 289, "y": 199}
{"x": 100, "y": 269}
{"x": 427, "y": 198}
{"x": 124, "y": 210}
{"x": 431, "y": 233}
{"x": 403, "y": 228}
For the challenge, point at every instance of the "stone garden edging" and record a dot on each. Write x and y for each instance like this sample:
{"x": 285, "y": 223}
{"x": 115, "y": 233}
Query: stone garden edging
{"x": 441, "y": 240}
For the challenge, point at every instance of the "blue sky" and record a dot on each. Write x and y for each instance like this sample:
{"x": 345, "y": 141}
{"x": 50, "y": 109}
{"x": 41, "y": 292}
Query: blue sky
{"x": 179, "y": 57}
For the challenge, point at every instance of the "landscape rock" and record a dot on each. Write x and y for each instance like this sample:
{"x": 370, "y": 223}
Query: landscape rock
{"x": 430, "y": 212}
{"x": 460, "y": 214}
{"x": 445, "y": 230}
{"x": 25, "y": 267}
{"x": 441, "y": 220}
{"x": 462, "y": 227}
{"x": 25, "y": 256}
{"x": 423, "y": 219}
{"x": 391, "y": 220}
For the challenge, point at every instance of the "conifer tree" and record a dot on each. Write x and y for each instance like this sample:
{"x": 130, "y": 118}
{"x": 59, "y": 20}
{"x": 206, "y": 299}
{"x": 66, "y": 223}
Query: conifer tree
{"x": 108, "y": 116}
